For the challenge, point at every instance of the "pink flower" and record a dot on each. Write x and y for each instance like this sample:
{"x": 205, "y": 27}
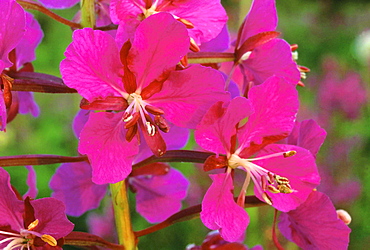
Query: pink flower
{"x": 18, "y": 50}
{"x": 146, "y": 86}
{"x": 204, "y": 18}
{"x": 315, "y": 225}
{"x": 284, "y": 175}
{"x": 258, "y": 52}
{"x": 32, "y": 223}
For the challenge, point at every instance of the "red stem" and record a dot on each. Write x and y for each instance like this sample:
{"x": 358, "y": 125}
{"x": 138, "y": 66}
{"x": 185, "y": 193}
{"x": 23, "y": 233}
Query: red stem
{"x": 40, "y": 8}
{"x": 274, "y": 236}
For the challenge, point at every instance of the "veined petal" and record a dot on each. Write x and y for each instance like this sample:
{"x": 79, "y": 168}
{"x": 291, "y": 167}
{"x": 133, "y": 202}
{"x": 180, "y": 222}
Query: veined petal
{"x": 11, "y": 209}
{"x": 219, "y": 210}
{"x": 159, "y": 196}
{"x": 261, "y": 17}
{"x": 218, "y": 44}
{"x": 218, "y": 125}
{"x": 25, "y": 50}
{"x": 300, "y": 169}
{"x": 110, "y": 154}
{"x": 92, "y": 65}
{"x": 122, "y": 10}
{"x": 12, "y": 28}
{"x": 307, "y": 134}
{"x": 153, "y": 53}
{"x": 58, "y": 4}
{"x": 315, "y": 225}
{"x": 271, "y": 58}
{"x": 72, "y": 185}
{"x": 276, "y": 104}
{"x": 207, "y": 16}
{"x": 52, "y": 218}
{"x": 188, "y": 94}
{"x": 31, "y": 182}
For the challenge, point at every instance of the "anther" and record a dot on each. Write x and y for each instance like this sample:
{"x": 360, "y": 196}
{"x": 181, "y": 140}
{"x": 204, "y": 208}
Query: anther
{"x": 32, "y": 225}
{"x": 161, "y": 123}
{"x": 273, "y": 189}
{"x": 131, "y": 122}
{"x": 131, "y": 132}
{"x": 154, "y": 110}
{"x": 289, "y": 153}
{"x": 50, "y": 240}
{"x": 150, "y": 128}
{"x": 187, "y": 23}
{"x": 267, "y": 198}
{"x": 193, "y": 45}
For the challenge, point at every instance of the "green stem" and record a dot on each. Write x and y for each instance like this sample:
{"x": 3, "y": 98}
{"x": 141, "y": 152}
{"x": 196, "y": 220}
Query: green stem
{"x": 125, "y": 233}
{"x": 88, "y": 13}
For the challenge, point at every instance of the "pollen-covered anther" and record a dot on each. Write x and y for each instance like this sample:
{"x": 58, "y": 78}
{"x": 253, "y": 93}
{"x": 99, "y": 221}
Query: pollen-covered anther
{"x": 127, "y": 117}
{"x": 289, "y": 153}
{"x": 273, "y": 189}
{"x": 187, "y": 23}
{"x": 49, "y": 239}
{"x": 267, "y": 198}
{"x": 161, "y": 123}
{"x": 131, "y": 122}
{"x": 150, "y": 128}
{"x": 194, "y": 46}
{"x": 285, "y": 189}
{"x": 33, "y": 224}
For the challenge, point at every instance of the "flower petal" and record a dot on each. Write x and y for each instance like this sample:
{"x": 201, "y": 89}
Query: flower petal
{"x": 110, "y": 154}
{"x": 31, "y": 182}
{"x": 272, "y": 58}
{"x": 153, "y": 53}
{"x": 300, "y": 169}
{"x": 72, "y": 185}
{"x": 219, "y": 210}
{"x": 188, "y": 94}
{"x": 12, "y": 28}
{"x": 276, "y": 104}
{"x": 92, "y": 65}
{"x": 58, "y": 4}
{"x": 159, "y": 196}
{"x": 52, "y": 218}
{"x": 218, "y": 126}
{"x": 315, "y": 225}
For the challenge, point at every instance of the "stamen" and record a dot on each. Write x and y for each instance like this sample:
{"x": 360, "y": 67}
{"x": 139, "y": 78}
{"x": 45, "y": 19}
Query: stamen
{"x": 289, "y": 153}
{"x": 32, "y": 225}
{"x": 50, "y": 240}
{"x": 150, "y": 128}
{"x": 267, "y": 198}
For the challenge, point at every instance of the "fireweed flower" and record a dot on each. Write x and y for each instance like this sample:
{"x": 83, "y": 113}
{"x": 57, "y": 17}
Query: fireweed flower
{"x": 283, "y": 175}
{"x": 159, "y": 189}
{"x": 258, "y": 53}
{"x": 17, "y": 57}
{"x": 315, "y": 224}
{"x": 204, "y": 18}
{"x": 30, "y": 224}
{"x": 145, "y": 83}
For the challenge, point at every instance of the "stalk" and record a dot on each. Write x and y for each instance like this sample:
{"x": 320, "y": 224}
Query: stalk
{"x": 122, "y": 217}
{"x": 88, "y": 13}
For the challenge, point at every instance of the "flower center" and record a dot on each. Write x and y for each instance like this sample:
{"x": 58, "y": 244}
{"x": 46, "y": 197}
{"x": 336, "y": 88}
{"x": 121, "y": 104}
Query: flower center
{"x": 25, "y": 238}
{"x": 138, "y": 109}
{"x": 263, "y": 179}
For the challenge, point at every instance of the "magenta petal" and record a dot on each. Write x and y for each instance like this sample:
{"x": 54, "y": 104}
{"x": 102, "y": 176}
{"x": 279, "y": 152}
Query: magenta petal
{"x": 27, "y": 104}
{"x": 300, "y": 169}
{"x": 315, "y": 225}
{"x": 159, "y": 196}
{"x": 218, "y": 44}
{"x": 218, "y": 125}
{"x": 188, "y": 94}
{"x": 276, "y": 104}
{"x": 103, "y": 141}
{"x": 72, "y": 185}
{"x": 79, "y": 121}
{"x": 58, "y": 4}
{"x": 261, "y": 17}
{"x": 92, "y": 65}
{"x": 11, "y": 209}
{"x": 25, "y": 50}
{"x": 31, "y": 182}
{"x": 271, "y": 58}
{"x": 52, "y": 218}
{"x": 219, "y": 210}
{"x": 153, "y": 53}
{"x": 122, "y": 10}
{"x": 207, "y": 16}
{"x": 12, "y": 28}
{"x": 307, "y": 134}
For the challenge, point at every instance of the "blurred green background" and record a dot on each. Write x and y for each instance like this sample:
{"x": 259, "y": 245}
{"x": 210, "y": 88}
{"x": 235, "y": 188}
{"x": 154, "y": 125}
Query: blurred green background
{"x": 320, "y": 28}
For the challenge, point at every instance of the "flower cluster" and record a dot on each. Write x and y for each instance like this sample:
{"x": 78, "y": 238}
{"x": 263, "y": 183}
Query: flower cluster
{"x": 148, "y": 73}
